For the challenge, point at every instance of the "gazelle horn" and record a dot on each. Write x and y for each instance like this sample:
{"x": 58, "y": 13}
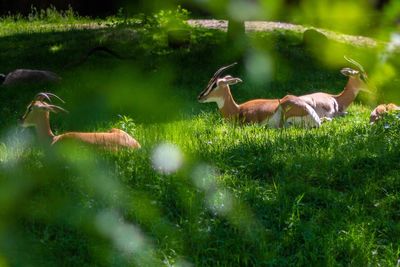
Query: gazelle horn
{"x": 41, "y": 96}
{"x": 355, "y": 63}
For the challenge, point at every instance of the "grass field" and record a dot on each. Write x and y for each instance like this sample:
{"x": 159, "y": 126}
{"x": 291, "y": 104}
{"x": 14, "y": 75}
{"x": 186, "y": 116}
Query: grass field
{"x": 235, "y": 195}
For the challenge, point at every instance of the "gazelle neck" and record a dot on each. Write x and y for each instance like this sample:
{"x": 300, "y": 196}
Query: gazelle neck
{"x": 228, "y": 106}
{"x": 43, "y": 130}
{"x": 350, "y": 92}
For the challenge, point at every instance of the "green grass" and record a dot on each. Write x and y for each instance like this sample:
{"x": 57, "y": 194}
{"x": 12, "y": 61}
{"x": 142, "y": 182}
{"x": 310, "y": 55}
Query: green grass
{"x": 243, "y": 195}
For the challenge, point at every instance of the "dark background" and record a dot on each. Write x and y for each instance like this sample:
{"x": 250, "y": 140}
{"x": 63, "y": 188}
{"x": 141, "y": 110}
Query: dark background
{"x": 95, "y": 8}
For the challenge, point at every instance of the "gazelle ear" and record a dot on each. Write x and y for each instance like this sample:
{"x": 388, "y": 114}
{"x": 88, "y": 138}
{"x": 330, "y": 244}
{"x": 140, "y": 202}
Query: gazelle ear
{"x": 233, "y": 80}
{"x": 49, "y": 107}
{"x": 349, "y": 72}
{"x": 228, "y": 80}
{"x": 56, "y": 109}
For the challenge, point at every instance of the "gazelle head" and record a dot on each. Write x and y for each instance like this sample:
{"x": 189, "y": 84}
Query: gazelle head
{"x": 214, "y": 90}
{"x": 38, "y": 110}
{"x": 381, "y": 110}
{"x": 356, "y": 73}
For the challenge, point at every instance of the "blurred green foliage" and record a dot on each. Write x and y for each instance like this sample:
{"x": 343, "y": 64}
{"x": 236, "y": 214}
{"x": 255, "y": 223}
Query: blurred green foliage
{"x": 228, "y": 195}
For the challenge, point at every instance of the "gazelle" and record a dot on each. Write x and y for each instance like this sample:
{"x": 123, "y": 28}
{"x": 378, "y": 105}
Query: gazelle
{"x": 272, "y": 112}
{"x": 328, "y": 105}
{"x": 380, "y": 110}
{"x": 37, "y": 115}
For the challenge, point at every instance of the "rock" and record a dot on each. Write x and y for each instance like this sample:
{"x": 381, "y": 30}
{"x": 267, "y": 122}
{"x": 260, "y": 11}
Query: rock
{"x": 314, "y": 39}
{"x": 19, "y": 76}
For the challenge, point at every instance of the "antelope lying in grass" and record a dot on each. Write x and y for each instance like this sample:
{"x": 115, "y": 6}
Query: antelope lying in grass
{"x": 37, "y": 115}
{"x": 327, "y": 105}
{"x": 380, "y": 110}
{"x": 273, "y": 112}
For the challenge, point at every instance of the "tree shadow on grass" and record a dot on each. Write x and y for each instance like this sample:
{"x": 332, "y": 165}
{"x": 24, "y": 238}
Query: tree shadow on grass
{"x": 314, "y": 194}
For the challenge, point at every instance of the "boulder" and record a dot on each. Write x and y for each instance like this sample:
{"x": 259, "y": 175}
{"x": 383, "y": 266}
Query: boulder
{"x": 20, "y": 76}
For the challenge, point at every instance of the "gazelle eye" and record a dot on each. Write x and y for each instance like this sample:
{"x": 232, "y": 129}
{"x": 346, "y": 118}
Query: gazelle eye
{"x": 364, "y": 77}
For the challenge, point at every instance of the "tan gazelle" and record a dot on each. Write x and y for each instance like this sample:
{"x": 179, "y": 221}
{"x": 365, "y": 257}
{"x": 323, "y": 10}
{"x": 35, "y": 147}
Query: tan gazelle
{"x": 327, "y": 105}
{"x": 272, "y": 112}
{"x": 37, "y": 115}
{"x": 380, "y": 110}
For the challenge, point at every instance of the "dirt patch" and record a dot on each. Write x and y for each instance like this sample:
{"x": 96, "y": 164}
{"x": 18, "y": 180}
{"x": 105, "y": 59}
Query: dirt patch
{"x": 264, "y": 26}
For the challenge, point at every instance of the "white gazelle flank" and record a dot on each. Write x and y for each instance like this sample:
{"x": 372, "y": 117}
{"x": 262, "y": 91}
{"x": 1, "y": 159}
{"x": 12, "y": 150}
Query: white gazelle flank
{"x": 329, "y": 106}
